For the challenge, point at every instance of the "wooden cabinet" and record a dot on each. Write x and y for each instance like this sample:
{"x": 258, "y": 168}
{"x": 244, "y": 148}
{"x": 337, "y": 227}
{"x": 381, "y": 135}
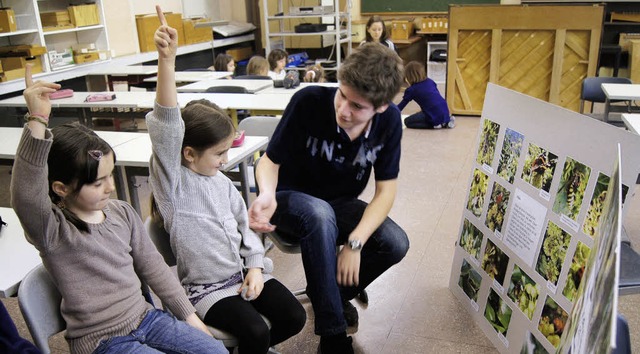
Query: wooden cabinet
{"x": 543, "y": 51}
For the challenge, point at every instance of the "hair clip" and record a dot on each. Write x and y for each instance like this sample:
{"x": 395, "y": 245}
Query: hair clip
{"x": 96, "y": 154}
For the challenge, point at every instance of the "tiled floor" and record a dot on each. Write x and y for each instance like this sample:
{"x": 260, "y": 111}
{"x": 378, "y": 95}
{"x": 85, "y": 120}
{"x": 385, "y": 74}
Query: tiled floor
{"x": 411, "y": 309}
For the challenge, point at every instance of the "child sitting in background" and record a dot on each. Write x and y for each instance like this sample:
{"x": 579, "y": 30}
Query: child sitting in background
{"x": 377, "y": 32}
{"x": 224, "y": 62}
{"x": 277, "y": 62}
{"x": 314, "y": 73}
{"x": 258, "y": 65}
{"x": 434, "y": 112}
{"x": 95, "y": 248}
{"x": 220, "y": 261}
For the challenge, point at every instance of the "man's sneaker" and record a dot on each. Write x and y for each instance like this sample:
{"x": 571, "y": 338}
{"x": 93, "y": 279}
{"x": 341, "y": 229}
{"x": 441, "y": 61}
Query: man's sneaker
{"x": 439, "y": 126}
{"x": 452, "y": 123}
{"x": 350, "y": 314}
{"x": 338, "y": 344}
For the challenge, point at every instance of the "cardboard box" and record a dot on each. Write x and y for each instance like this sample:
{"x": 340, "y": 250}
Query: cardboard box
{"x": 24, "y": 50}
{"x": 84, "y": 15}
{"x": 148, "y": 24}
{"x": 55, "y": 19}
{"x": 86, "y": 57}
{"x": 434, "y": 25}
{"x": 625, "y": 39}
{"x": 7, "y": 20}
{"x": 240, "y": 53}
{"x": 196, "y": 35}
{"x": 13, "y": 63}
{"x": 18, "y": 73}
{"x": 401, "y": 29}
{"x": 1, "y": 69}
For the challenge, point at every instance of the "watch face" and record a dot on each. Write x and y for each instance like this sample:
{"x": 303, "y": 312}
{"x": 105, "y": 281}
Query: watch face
{"x": 355, "y": 244}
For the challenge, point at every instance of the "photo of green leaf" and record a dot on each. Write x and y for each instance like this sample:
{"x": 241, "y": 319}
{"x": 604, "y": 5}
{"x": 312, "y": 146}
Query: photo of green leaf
{"x": 497, "y": 207}
{"x": 469, "y": 280}
{"x": 539, "y": 166}
{"x": 523, "y": 291}
{"x": 531, "y": 345}
{"x": 592, "y": 220}
{"x": 511, "y": 148}
{"x": 495, "y": 262}
{"x": 498, "y": 313}
{"x": 574, "y": 180}
{"x": 552, "y": 321}
{"x": 477, "y": 192}
{"x": 576, "y": 271}
{"x": 488, "y": 140}
{"x": 471, "y": 239}
{"x": 554, "y": 248}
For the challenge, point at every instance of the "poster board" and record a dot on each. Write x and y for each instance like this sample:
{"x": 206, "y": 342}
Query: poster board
{"x": 534, "y": 201}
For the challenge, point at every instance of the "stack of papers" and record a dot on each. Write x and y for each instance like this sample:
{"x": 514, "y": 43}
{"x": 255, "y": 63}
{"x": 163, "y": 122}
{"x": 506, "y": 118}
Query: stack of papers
{"x": 234, "y": 28}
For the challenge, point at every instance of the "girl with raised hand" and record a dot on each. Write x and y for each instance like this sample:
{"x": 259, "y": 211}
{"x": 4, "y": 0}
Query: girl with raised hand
{"x": 95, "y": 248}
{"x": 220, "y": 261}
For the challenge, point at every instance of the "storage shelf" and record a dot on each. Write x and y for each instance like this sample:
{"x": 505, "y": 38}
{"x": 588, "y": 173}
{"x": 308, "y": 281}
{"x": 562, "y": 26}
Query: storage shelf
{"x": 336, "y": 37}
{"x": 18, "y": 33}
{"x": 75, "y": 29}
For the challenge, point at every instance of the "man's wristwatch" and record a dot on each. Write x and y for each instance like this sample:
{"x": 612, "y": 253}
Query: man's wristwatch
{"x": 354, "y": 245}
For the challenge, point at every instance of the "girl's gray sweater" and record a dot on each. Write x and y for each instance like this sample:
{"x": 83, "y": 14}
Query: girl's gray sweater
{"x": 205, "y": 215}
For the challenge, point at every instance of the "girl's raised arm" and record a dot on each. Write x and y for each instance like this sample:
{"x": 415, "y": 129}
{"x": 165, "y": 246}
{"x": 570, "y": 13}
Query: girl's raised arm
{"x": 166, "y": 40}
{"x": 37, "y": 97}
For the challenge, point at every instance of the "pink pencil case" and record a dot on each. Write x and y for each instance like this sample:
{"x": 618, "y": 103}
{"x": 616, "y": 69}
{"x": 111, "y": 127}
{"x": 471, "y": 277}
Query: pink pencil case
{"x": 61, "y": 94}
{"x": 97, "y": 97}
{"x": 239, "y": 139}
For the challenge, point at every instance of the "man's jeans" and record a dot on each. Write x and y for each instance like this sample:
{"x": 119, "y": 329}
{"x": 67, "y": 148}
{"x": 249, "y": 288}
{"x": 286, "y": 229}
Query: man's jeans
{"x": 321, "y": 226}
{"x": 160, "y": 332}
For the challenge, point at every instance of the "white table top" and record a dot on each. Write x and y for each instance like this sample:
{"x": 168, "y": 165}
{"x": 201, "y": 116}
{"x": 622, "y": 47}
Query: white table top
{"x": 10, "y": 137}
{"x": 252, "y": 86}
{"x": 125, "y": 70}
{"x": 145, "y": 100}
{"x": 632, "y": 121}
{"x": 194, "y": 76}
{"x": 124, "y": 99}
{"x": 17, "y": 256}
{"x": 622, "y": 91}
{"x": 137, "y": 152}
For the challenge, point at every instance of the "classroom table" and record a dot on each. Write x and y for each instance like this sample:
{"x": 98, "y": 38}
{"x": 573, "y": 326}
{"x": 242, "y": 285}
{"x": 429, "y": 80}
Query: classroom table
{"x": 103, "y": 77}
{"x": 195, "y": 76}
{"x": 263, "y": 104}
{"x": 134, "y": 156}
{"x": 632, "y": 122}
{"x": 17, "y": 256}
{"x": 622, "y": 92}
{"x": 251, "y": 86}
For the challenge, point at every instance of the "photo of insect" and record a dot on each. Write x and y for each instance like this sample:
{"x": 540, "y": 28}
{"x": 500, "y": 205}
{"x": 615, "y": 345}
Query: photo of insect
{"x": 573, "y": 183}
{"x": 539, "y": 166}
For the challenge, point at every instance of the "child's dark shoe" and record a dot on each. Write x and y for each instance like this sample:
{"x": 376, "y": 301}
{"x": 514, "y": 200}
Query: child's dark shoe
{"x": 336, "y": 344}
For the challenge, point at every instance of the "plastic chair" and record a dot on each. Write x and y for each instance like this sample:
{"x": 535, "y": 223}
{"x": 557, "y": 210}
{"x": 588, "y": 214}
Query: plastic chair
{"x": 592, "y": 91}
{"x": 39, "y": 302}
{"x": 226, "y": 89}
{"x": 252, "y": 77}
{"x": 623, "y": 340}
{"x": 161, "y": 239}
{"x": 629, "y": 282}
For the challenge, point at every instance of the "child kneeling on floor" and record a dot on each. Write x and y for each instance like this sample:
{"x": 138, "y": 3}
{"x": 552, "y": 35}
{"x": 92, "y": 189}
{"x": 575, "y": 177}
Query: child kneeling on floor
{"x": 434, "y": 113}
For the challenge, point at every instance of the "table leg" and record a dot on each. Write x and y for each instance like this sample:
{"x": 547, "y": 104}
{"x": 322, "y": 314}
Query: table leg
{"x": 234, "y": 116}
{"x": 245, "y": 189}
{"x": 133, "y": 189}
{"x": 119, "y": 181}
{"x": 606, "y": 110}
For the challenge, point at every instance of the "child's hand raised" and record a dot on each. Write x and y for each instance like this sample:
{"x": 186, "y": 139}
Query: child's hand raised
{"x": 37, "y": 93}
{"x": 165, "y": 38}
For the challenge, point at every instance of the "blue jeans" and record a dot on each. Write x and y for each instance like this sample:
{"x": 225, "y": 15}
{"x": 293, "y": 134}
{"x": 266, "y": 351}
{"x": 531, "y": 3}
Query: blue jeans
{"x": 160, "y": 332}
{"x": 321, "y": 226}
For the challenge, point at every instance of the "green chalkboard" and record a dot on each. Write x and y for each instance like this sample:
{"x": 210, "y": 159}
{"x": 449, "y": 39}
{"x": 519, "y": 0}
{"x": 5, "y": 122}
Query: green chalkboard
{"x": 369, "y": 6}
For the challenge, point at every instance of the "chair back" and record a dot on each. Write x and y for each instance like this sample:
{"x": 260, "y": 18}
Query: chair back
{"x": 592, "y": 89}
{"x": 161, "y": 239}
{"x": 259, "y": 125}
{"x": 252, "y": 77}
{"x": 226, "y": 89}
{"x": 39, "y": 302}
